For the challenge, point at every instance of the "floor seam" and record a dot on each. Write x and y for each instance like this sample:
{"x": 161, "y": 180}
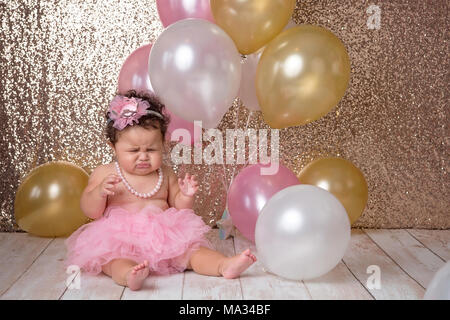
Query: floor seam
{"x": 28, "y": 268}
{"x": 392, "y": 258}
{"x": 368, "y": 291}
{"x": 426, "y": 246}
{"x": 240, "y": 282}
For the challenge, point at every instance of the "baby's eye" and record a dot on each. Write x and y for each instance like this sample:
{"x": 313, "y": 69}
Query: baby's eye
{"x": 151, "y": 150}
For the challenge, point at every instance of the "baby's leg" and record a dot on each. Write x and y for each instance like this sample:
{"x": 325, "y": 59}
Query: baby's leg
{"x": 206, "y": 261}
{"x": 212, "y": 263}
{"x": 127, "y": 272}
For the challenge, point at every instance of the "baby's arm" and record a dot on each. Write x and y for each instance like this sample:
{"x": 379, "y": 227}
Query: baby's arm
{"x": 181, "y": 198}
{"x": 95, "y": 195}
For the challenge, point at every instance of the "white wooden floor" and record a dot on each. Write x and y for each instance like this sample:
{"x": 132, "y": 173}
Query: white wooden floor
{"x": 32, "y": 268}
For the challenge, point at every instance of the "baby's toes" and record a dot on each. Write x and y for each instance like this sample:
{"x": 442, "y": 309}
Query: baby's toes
{"x": 143, "y": 265}
{"x": 138, "y": 267}
{"x": 249, "y": 254}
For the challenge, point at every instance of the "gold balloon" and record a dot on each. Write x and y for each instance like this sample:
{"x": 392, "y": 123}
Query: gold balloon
{"x": 252, "y": 23}
{"x": 302, "y": 74}
{"x": 47, "y": 202}
{"x": 342, "y": 179}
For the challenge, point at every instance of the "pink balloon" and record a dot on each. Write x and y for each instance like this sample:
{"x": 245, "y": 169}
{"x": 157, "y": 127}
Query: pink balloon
{"x": 177, "y": 123}
{"x": 250, "y": 191}
{"x": 134, "y": 75}
{"x": 134, "y": 71}
{"x": 170, "y": 11}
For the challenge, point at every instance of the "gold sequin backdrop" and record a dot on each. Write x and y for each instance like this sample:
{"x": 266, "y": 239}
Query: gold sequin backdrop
{"x": 60, "y": 62}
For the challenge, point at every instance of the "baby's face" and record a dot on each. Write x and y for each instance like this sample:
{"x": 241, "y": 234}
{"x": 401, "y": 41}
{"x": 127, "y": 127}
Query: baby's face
{"x": 139, "y": 150}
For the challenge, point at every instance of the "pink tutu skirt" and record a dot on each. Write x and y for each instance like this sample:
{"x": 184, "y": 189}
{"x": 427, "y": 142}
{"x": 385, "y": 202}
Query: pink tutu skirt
{"x": 166, "y": 239}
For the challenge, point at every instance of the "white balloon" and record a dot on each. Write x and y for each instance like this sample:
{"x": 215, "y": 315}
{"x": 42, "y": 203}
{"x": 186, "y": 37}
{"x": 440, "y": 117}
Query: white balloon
{"x": 195, "y": 69}
{"x": 290, "y": 24}
{"x": 247, "y": 91}
{"x": 302, "y": 232}
{"x": 439, "y": 287}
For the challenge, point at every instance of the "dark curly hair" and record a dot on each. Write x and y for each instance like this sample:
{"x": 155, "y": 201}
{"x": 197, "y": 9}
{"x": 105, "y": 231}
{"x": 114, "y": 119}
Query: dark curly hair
{"x": 146, "y": 121}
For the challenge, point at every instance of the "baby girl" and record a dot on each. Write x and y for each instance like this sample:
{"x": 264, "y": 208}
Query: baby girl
{"x": 143, "y": 217}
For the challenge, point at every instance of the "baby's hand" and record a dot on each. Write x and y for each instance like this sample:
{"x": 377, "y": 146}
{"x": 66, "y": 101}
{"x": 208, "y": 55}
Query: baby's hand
{"x": 108, "y": 185}
{"x": 188, "y": 185}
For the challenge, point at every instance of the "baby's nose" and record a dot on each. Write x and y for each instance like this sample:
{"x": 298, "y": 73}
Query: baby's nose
{"x": 143, "y": 155}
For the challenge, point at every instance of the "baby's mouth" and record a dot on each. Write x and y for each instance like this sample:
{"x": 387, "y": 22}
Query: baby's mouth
{"x": 143, "y": 165}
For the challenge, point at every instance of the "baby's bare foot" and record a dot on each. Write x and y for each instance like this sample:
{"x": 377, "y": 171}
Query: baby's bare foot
{"x": 232, "y": 267}
{"x": 137, "y": 275}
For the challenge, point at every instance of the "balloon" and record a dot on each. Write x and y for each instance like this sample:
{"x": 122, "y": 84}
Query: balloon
{"x": 439, "y": 287}
{"x": 290, "y": 24}
{"x": 195, "y": 69}
{"x": 250, "y": 191}
{"x": 302, "y": 74}
{"x": 302, "y": 233}
{"x": 47, "y": 202}
{"x": 134, "y": 71}
{"x": 247, "y": 91}
{"x": 134, "y": 75}
{"x": 342, "y": 179}
{"x": 179, "y": 123}
{"x": 252, "y": 23}
{"x": 170, "y": 11}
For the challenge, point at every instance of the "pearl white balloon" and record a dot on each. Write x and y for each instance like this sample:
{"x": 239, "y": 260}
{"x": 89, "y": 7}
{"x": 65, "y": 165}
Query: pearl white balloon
{"x": 247, "y": 91}
{"x": 302, "y": 232}
{"x": 195, "y": 69}
{"x": 439, "y": 287}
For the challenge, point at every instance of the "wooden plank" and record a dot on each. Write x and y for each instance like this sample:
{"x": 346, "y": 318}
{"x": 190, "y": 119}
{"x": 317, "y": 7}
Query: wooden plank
{"x": 415, "y": 259}
{"x": 395, "y": 284}
{"x": 103, "y": 287}
{"x": 201, "y": 287}
{"x": 45, "y": 279}
{"x": 337, "y": 284}
{"x": 98, "y": 287}
{"x": 257, "y": 284}
{"x": 32, "y": 268}
{"x": 437, "y": 241}
{"x": 18, "y": 251}
{"x": 158, "y": 287}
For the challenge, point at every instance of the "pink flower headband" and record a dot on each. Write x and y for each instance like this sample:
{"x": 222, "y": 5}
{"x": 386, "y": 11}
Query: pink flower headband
{"x": 123, "y": 111}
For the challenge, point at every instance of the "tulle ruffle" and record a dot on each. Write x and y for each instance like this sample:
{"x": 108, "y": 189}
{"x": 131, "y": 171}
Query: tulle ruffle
{"x": 165, "y": 238}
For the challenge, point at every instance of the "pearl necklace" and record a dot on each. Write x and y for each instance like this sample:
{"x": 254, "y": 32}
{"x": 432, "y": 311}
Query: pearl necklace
{"x": 138, "y": 194}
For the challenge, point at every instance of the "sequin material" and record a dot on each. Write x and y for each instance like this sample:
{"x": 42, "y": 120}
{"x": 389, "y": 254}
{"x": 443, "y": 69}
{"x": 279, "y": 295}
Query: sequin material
{"x": 60, "y": 61}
